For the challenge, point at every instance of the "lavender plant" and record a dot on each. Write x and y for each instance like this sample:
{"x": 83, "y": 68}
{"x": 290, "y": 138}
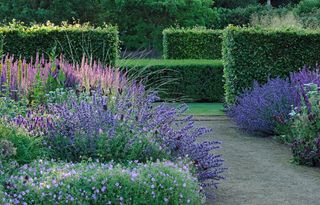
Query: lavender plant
{"x": 132, "y": 111}
{"x": 262, "y": 107}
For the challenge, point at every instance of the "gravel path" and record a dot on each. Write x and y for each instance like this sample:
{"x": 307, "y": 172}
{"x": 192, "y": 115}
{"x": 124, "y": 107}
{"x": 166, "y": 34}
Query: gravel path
{"x": 259, "y": 171}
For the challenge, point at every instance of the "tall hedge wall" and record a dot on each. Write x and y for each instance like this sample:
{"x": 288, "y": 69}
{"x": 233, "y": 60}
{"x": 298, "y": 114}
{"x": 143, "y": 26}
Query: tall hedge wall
{"x": 180, "y": 80}
{"x": 73, "y": 41}
{"x": 255, "y": 54}
{"x": 192, "y": 43}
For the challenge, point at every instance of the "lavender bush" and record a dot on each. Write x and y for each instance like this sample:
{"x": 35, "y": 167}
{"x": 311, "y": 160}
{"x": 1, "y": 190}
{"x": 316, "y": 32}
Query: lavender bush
{"x": 265, "y": 108}
{"x": 260, "y": 109}
{"x": 133, "y": 112}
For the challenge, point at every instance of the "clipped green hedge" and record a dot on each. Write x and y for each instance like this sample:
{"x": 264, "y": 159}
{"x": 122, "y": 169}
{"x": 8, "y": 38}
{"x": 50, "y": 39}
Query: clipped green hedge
{"x": 71, "y": 40}
{"x": 255, "y": 54}
{"x": 192, "y": 43}
{"x": 180, "y": 80}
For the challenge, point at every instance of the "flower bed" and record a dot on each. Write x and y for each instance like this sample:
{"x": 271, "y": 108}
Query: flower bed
{"x": 77, "y": 114}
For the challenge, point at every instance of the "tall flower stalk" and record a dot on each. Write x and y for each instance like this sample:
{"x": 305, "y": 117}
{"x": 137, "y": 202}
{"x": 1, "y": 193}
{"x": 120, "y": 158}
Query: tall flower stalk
{"x": 21, "y": 76}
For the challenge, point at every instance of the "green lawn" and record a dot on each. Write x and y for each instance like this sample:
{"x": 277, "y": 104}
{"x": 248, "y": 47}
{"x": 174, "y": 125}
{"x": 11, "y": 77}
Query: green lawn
{"x": 204, "y": 108}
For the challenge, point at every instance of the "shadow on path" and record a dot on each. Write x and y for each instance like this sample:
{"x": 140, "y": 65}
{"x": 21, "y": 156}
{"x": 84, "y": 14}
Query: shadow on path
{"x": 259, "y": 171}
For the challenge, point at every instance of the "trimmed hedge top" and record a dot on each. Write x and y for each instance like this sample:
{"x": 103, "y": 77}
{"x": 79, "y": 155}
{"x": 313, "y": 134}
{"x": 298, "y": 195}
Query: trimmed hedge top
{"x": 256, "y": 54}
{"x": 180, "y": 80}
{"x": 192, "y": 43}
{"x": 73, "y": 41}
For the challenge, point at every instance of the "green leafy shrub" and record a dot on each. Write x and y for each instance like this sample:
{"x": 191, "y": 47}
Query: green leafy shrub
{"x": 192, "y": 43}
{"x": 256, "y": 54}
{"x": 308, "y": 12}
{"x": 238, "y": 16}
{"x": 182, "y": 80}
{"x": 234, "y": 3}
{"x": 49, "y": 183}
{"x": 73, "y": 41}
{"x": 141, "y": 22}
{"x": 27, "y": 148}
{"x": 10, "y": 108}
{"x": 307, "y": 6}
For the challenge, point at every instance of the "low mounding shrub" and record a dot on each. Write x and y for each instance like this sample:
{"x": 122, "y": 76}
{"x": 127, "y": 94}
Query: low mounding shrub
{"x": 22, "y": 147}
{"x": 73, "y": 41}
{"x": 260, "y": 109}
{"x": 192, "y": 43}
{"x": 180, "y": 80}
{"x": 49, "y": 183}
{"x": 257, "y": 54}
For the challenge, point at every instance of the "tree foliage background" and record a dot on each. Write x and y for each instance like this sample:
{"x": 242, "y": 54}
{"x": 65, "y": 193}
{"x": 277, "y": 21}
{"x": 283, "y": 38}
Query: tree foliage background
{"x": 140, "y": 22}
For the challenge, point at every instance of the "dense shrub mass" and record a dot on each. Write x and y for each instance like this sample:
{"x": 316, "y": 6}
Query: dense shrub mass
{"x": 237, "y": 16}
{"x": 73, "y": 41}
{"x": 44, "y": 182}
{"x": 309, "y": 13}
{"x": 234, "y": 3}
{"x": 195, "y": 43}
{"x": 187, "y": 80}
{"x": 256, "y": 54}
{"x": 140, "y": 22}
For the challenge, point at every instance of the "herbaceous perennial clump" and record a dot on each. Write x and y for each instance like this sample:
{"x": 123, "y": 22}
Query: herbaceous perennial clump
{"x": 21, "y": 76}
{"x": 44, "y": 182}
{"x": 134, "y": 109}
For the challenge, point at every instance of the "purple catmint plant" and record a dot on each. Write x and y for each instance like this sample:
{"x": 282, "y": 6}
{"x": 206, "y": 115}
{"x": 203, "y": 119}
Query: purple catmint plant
{"x": 133, "y": 108}
{"x": 262, "y": 107}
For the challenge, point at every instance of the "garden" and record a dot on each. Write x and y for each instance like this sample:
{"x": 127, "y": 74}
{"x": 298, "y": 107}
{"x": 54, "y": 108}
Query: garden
{"x": 159, "y": 102}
